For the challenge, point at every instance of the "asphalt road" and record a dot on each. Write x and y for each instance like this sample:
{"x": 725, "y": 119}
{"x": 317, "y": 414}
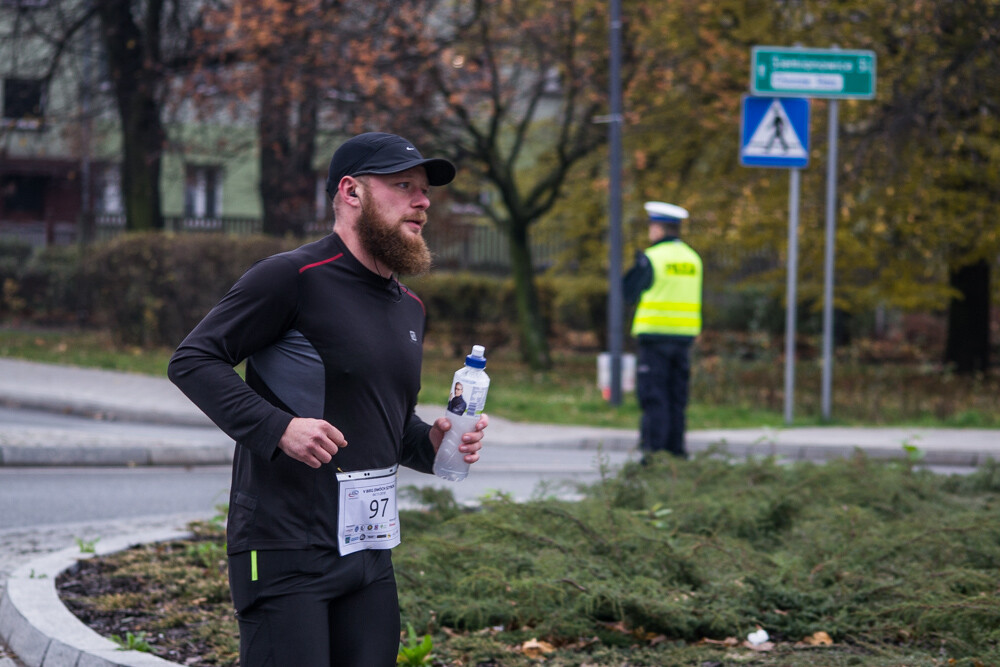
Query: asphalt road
{"x": 34, "y": 497}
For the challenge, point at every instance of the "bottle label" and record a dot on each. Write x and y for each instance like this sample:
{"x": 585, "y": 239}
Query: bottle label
{"x": 467, "y": 398}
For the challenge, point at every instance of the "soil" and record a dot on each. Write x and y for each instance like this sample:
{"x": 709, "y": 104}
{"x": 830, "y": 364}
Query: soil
{"x": 90, "y": 579}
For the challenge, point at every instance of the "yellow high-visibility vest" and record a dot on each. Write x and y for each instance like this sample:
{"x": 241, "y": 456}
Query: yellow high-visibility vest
{"x": 672, "y": 304}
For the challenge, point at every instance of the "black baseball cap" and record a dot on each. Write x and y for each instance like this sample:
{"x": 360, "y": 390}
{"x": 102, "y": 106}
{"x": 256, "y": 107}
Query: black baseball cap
{"x": 383, "y": 153}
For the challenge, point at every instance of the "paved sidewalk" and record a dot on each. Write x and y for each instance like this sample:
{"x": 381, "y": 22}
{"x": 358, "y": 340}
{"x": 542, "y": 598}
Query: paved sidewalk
{"x": 142, "y": 420}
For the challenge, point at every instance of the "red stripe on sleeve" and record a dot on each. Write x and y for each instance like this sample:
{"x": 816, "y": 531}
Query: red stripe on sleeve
{"x": 322, "y": 262}
{"x": 417, "y": 298}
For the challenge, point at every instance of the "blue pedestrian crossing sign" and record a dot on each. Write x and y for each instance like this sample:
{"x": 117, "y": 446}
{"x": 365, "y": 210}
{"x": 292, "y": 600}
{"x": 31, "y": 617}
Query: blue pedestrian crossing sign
{"x": 774, "y": 132}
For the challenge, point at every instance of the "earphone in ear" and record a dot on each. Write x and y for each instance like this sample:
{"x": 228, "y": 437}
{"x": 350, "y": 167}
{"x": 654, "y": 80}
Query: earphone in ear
{"x": 353, "y": 194}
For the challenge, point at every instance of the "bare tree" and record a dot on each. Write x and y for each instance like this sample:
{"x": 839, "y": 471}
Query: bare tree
{"x": 511, "y": 91}
{"x": 139, "y": 40}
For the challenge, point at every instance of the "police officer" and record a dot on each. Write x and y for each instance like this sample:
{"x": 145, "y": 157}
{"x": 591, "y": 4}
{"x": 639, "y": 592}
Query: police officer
{"x": 666, "y": 282}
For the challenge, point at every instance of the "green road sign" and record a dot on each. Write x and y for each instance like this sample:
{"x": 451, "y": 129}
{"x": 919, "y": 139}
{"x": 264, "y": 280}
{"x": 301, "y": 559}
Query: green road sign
{"x": 793, "y": 72}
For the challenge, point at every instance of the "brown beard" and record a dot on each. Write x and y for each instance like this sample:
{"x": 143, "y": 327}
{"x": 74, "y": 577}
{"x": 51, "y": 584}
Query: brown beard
{"x": 386, "y": 242}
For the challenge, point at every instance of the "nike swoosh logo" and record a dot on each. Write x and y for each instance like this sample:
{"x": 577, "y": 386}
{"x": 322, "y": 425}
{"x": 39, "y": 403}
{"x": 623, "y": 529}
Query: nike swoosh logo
{"x": 410, "y": 148}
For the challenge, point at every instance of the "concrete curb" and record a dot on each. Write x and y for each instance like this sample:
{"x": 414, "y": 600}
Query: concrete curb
{"x": 842, "y": 448}
{"x": 38, "y": 627}
{"x": 102, "y": 410}
{"x": 818, "y": 453}
{"x": 168, "y": 454}
{"x": 112, "y": 395}
{"x": 138, "y": 455}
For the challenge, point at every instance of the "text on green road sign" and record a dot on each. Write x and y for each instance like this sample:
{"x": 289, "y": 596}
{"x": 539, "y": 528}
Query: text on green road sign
{"x": 795, "y": 72}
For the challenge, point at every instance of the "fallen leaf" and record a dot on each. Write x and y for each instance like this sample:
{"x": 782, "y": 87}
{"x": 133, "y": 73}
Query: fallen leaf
{"x": 582, "y": 644}
{"x": 728, "y": 641}
{"x": 619, "y": 626}
{"x": 818, "y": 639}
{"x": 765, "y": 646}
{"x": 536, "y": 649}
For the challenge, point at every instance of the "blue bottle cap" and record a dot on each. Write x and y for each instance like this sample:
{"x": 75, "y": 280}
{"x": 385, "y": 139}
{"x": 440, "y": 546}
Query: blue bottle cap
{"x": 476, "y": 359}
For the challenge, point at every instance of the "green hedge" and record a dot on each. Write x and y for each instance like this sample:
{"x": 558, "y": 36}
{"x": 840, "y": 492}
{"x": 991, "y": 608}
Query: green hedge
{"x": 42, "y": 286}
{"x": 465, "y": 306}
{"x": 151, "y": 289}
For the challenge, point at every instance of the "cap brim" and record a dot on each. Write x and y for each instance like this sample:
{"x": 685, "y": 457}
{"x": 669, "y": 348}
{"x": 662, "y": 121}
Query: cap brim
{"x": 659, "y": 211}
{"x": 439, "y": 170}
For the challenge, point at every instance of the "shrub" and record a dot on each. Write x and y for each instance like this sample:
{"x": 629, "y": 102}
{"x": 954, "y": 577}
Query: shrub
{"x": 151, "y": 289}
{"x": 14, "y": 256}
{"x": 465, "y": 306}
{"x": 51, "y": 287}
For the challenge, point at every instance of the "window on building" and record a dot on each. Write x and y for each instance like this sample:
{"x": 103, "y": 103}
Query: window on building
{"x": 23, "y": 101}
{"x": 202, "y": 192}
{"x": 109, "y": 191}
{"x": 24, "y": 4}
{"x": 23, "y": 197}
{"x": 553, "y": 82}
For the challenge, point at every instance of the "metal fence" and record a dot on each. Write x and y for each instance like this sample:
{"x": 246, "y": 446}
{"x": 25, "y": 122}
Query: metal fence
{"x": 107, "y": 227}
{"x": 457, "y": 246}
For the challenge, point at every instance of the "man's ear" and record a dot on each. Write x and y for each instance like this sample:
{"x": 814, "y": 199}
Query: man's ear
{"x": 348, "y": 189}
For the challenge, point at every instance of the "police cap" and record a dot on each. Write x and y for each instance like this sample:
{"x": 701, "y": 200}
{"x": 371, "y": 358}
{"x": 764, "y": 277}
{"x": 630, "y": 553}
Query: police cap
{"x": 659, "y": 211}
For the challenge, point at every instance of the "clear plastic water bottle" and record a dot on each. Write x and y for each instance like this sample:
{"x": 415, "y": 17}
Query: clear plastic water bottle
{"x": 466, "y": 401}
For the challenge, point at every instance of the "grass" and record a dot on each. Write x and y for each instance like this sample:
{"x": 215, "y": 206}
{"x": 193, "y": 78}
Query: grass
{"x": 669, "y": 564}
{"x": 737, "y": 381}
{"x": 83, "y": 348}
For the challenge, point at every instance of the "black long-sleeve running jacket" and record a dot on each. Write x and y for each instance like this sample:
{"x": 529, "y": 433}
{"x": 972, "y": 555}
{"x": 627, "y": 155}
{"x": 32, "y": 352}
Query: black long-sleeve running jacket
{"x": 323, "y": 337}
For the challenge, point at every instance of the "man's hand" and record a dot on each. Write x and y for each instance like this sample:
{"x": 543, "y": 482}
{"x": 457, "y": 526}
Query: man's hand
{"x": 471, "y": 442}
{"x": 312, "y": 441}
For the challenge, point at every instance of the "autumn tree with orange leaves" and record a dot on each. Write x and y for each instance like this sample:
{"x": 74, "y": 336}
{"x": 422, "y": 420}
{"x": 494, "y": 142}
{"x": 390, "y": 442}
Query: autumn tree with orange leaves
{"x": 276, "y": 56}
{"x": 918, "y": 166}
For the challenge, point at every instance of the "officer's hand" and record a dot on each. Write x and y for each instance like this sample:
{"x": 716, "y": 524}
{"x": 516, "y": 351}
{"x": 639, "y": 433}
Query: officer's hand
{"x": 312, "y": 441}
{"x": 471, "y": 442}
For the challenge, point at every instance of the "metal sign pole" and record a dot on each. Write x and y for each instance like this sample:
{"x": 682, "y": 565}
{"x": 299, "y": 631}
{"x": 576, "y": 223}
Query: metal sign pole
{"x": 616, "y": 308}
{"x": 794, "y": 180}
{"x": 831, "y": 225}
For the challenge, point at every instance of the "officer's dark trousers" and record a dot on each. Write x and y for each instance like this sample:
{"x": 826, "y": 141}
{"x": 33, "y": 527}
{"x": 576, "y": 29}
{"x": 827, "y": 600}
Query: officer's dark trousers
{"x": 663, "y": 375}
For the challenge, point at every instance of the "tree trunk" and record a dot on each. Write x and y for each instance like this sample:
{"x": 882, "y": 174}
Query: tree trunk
{"x": 531, "y": 324}
{"x": 287, "y": 144}
{"x": 968, "y": 342}
{"x": 133, "y": 58}
{"x": 142, "y": 143}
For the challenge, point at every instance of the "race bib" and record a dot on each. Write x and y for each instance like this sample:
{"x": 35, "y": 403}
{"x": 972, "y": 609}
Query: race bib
{"x": 368, "y": 518}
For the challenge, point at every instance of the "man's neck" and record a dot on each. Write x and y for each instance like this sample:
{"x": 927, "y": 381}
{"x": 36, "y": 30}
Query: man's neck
{"x": 349, "y": 236}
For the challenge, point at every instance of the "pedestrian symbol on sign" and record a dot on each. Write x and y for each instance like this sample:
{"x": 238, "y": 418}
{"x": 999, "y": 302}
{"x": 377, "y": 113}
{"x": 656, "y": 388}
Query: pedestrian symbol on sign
{"x": 775, "y": 129}
{"x": 779, "y": 130}
{"x": 775, "y": 132}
